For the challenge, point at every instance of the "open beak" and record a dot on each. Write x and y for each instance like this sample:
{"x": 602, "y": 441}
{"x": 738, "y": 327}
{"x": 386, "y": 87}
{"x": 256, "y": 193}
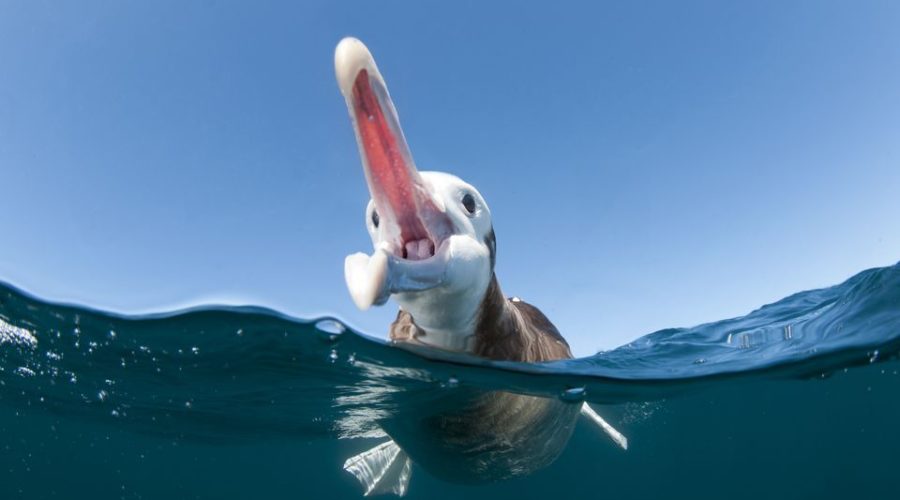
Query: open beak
{"x": 412, "y": 222}
{"x": 409, "y": 217}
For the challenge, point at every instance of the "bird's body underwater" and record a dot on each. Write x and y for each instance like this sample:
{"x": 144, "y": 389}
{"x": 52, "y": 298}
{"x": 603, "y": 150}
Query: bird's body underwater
{"x": 434, "y": 253}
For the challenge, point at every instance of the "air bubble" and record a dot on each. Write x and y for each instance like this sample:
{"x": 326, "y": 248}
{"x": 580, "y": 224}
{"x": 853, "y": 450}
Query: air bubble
{"x": 333, "y": 356}
{"x": 574, "y": 394}
{"x": 331, "y": 326}
{"x": 102, "y": 395}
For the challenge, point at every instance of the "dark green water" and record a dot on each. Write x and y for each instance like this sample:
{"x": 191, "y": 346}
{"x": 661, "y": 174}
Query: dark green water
{"x": 798, "y": 399}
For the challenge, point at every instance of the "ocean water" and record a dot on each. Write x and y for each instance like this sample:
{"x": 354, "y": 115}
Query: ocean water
{"x": 798, "y": 399}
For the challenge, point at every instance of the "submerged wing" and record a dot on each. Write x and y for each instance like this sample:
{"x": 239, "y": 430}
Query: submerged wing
{"x": 615, "y": 435}
{"x": 383, "y": 469}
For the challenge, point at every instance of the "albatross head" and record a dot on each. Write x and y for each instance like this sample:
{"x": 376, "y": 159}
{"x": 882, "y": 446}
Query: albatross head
{"x": 433, "y": 240}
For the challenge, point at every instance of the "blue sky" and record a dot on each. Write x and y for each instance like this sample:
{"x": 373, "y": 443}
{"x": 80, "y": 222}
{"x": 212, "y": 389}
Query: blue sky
{"x": 648, "y": 164}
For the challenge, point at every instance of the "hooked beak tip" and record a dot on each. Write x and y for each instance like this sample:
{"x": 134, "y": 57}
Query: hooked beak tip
{"x": 350, "y": 57}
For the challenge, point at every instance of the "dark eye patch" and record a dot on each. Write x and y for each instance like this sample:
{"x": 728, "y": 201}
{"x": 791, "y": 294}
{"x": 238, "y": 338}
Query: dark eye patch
{"x": 375, "y": 218}
{"x": 468, "y": 202}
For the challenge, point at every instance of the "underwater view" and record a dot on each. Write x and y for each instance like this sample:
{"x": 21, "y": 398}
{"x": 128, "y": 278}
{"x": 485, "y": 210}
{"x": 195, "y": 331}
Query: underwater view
{"x": 797, "y": 399}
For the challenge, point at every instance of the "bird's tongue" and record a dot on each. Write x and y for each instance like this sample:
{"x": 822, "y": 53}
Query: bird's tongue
{"x": 411, "y": 218}
{"x": 394, "y": 182}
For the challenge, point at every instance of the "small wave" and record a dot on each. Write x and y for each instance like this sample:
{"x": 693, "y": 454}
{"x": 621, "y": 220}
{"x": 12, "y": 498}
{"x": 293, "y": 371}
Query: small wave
{"x": 165, "y": 364}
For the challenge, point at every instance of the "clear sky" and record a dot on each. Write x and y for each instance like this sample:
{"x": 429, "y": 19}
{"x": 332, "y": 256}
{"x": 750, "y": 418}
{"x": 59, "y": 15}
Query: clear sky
{"x": 648, "y": 164}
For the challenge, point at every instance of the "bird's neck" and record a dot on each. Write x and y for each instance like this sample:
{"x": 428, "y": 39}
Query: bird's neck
{"x": 512, "y": 330}
{"x": 467, "y": 321}
{"x": 450, "y": 319}
{"x": 487, "y": 325}
{"x": 498, "y": 330}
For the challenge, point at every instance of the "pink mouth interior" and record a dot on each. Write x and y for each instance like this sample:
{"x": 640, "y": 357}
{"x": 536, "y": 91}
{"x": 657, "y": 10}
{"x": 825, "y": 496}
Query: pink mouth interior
{"x": 396, "y": 186}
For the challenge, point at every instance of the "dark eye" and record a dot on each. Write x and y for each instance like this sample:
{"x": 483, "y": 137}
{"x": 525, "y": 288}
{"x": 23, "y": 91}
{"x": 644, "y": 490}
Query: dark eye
{"x": 468, "y": 202}
{"x": 375, "y": 219}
